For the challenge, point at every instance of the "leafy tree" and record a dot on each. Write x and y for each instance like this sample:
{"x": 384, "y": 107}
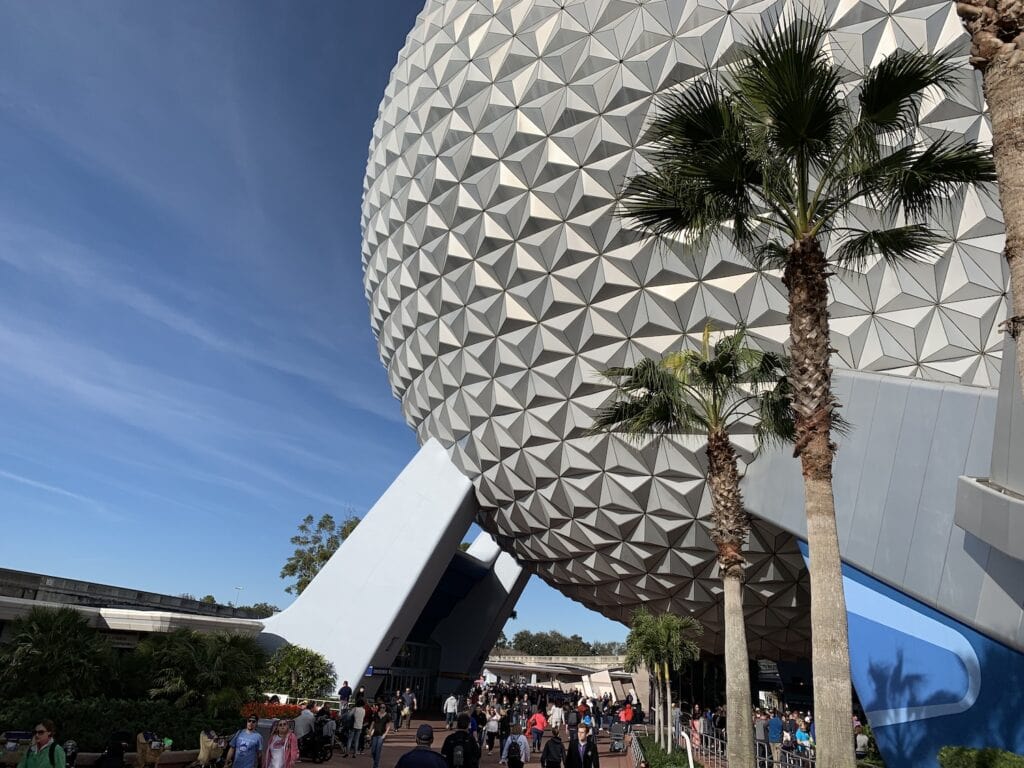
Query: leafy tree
{"x": 314, "y": 546}
{"x": 502, "y": 641}
{"x": 298, "y": 671}
{"x": 774, "y": 155}
{"x": 217, "y": 672}
{"x": 609, "y": 648}
{"x": 464, "y": 546}
{"x": 712, "y": 392}
{"x": 54, "y": 650}
{"x": 260, "y": 610}
{"x": 348, "y": 525}
{"x": 208, "y": 599}
{"x": 996, "y": 28}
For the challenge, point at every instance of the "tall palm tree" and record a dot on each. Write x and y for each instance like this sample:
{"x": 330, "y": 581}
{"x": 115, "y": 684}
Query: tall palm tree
{"x": 774, "y": 155}
{"x": 712, "y": 392}
{"x": 996, "y": 28}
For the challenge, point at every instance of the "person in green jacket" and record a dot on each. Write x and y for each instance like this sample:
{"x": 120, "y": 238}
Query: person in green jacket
{"x": 44, "y": 752}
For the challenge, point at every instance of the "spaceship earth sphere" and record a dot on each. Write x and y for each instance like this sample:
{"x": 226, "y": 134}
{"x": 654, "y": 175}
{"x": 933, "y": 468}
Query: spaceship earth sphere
{"x": 500, "y": 281}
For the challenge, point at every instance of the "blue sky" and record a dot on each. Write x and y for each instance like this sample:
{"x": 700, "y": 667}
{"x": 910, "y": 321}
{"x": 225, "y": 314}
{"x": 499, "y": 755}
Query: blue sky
{"x": 186, "y": 365}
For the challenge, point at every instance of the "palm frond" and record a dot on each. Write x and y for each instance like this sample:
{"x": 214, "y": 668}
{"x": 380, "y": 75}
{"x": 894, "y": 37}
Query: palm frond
{"x": 913, "y": 242}
{"x": 775, "y": 418}
{"x": 789, "y": 90}
{"x": 890, "y": 96}
{"x": 932, "y": 177}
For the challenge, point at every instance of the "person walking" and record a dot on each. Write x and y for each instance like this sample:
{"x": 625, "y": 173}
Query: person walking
{"x": 422, "y": 756}
{"x": 556, "y": 716}
{"x": 379, "y": 730}
{"x": 246, "y": 747}
{"x": 408, "y": 706}
{"x": 517, "y": 749}
{"x": 44, "y": 752}
{"x": 535, "y": 726}
{"x": 554, "y": 751}
{"x": 282, "y": 746}
{"x": 492, "y": 728}
{"x": 460, "y": 749}
{"x": 451, "y": 709}
{"x": 582, "y": 752}
{"x": 355, "y": 735}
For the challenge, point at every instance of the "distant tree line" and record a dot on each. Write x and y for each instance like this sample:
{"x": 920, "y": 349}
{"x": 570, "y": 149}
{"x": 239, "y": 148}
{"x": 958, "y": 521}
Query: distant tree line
{"x": 554, "y": 643}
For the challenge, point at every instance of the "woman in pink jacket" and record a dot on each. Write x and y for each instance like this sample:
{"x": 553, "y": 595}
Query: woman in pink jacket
{"x": 282, "y": 746}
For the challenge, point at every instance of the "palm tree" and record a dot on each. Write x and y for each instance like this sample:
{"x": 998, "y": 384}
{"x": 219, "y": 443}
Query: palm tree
{"x": 711, "y": 392}
{"x": 54, "y": 650}
{"x": 656, "y": 642}
{"x": 774, "y": 155}
{"x": 641, "y": 650}
{"x": 677, "y": 637}
{"x": 217, "y": 671}
{"x": 996, "y": 28}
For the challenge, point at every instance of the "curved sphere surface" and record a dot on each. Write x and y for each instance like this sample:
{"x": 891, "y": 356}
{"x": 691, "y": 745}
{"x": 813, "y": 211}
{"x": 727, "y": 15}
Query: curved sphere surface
{"x": 500, "y": 281}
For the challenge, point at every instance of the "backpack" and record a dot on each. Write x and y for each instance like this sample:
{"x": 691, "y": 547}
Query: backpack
{"x": 573, "y": 718}
{"x": 515, "y": 752}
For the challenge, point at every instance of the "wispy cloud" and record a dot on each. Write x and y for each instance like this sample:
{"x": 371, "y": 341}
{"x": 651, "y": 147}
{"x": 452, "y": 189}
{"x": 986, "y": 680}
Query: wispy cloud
{"x": 92, "y": 504}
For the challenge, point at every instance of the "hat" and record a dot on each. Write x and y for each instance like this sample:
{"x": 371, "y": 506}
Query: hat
{"x": 424, "y": 734}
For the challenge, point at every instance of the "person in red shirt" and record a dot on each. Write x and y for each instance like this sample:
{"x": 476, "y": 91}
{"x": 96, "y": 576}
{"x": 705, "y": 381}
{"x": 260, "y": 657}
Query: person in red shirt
{"x": 626, "y": 716}
{"x": 536, "y": 725}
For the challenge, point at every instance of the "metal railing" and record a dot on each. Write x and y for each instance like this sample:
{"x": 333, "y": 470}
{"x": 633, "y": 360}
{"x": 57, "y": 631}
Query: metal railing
{"x": 710, "y": 749}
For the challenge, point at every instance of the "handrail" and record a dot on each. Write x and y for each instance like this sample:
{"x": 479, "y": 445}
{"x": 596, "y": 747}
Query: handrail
{"x": 711, "y": 750}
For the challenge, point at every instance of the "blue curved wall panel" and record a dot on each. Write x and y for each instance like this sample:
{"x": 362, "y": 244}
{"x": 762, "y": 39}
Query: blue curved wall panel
{"x": 926, "y": 680}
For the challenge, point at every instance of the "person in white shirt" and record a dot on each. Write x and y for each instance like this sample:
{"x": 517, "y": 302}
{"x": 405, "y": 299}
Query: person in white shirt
{"x": 451, "y": 709}
{"x": 304, "y": 722}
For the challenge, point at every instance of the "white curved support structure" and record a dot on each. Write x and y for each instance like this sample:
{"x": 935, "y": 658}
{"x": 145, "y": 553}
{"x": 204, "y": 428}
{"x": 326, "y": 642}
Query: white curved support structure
{"x": 361, "y": 607}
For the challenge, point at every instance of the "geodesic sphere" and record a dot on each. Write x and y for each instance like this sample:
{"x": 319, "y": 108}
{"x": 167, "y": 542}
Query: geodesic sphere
{"x": 500, "y": 280}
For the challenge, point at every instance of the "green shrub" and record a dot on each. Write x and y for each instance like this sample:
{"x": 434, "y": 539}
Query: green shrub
{"x": 91, "y": 721}
{"x": 659, "y": 758}
{"x": 966, "y": 757}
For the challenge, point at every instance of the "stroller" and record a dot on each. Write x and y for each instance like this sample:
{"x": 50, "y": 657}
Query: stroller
{"x": 618, "y": 733}
{"x": 113, "y": 755}
{"x": 212, "y": 749}
{"x": 316, "y": 745}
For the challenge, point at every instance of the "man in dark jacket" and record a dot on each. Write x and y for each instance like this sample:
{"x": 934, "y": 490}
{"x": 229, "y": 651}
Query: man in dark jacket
{"x": 554, "y": 752}
{"x": 422, "y": 756}
{"x": 582, "y": 751}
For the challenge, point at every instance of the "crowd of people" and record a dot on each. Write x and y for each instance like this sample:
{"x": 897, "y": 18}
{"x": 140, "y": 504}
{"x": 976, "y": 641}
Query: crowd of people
{"x": 520, "y": 723}
{"x": 781, "y": 736}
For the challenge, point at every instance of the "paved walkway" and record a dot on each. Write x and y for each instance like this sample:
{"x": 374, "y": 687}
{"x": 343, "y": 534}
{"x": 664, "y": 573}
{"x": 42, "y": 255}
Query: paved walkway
{"x": 400, "y": 742}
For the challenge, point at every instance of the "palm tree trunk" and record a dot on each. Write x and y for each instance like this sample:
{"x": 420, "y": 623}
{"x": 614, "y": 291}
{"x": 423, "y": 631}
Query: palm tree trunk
{"x": 667, "y": 707}
{"x": 730, "y": 531}
{"x": 806, "y": 277}
{"x": 656, "y": 682}
{"x": 997, "y": 49}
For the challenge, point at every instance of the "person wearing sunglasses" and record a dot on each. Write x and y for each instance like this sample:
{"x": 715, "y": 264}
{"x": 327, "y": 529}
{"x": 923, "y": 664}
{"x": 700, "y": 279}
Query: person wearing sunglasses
{"x": 246, "y": 747}
{"x": 45, "y": 752}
